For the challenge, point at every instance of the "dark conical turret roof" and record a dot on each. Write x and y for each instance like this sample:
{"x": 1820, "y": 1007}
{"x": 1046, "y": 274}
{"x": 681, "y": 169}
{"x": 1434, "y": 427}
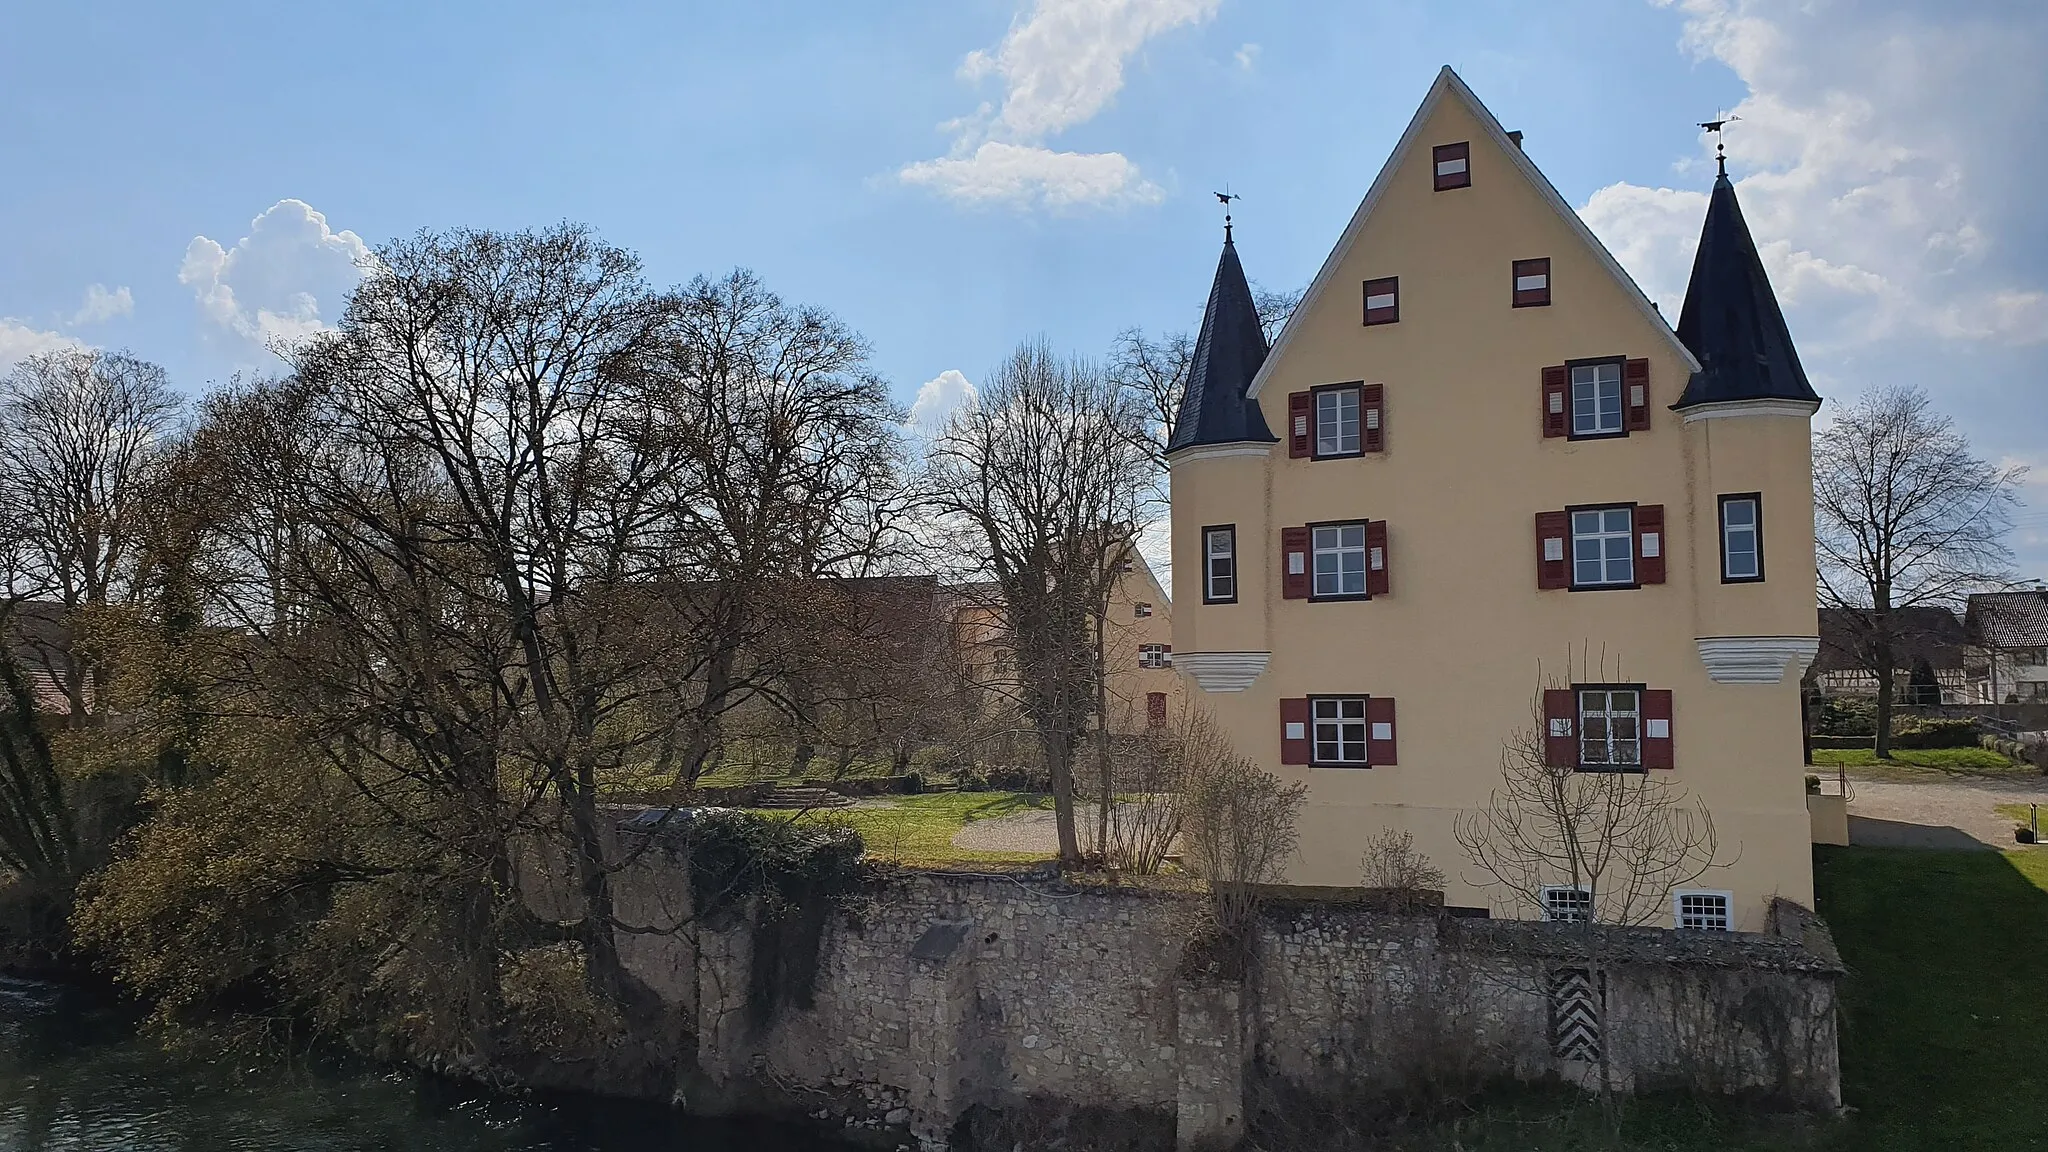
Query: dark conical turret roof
{"x": 1213, "y": 406}
{"x": 1731, "y": 319}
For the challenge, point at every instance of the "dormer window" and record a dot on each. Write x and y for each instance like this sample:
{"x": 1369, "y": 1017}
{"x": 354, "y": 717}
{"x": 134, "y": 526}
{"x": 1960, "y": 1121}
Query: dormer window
{"x": 1532, "y": 283}
{"x": 1383, "y": 300}
{"x": 1453, "y": 165}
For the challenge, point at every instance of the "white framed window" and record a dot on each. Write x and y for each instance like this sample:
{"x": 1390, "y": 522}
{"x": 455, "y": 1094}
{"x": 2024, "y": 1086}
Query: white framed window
{"x": 1603, "y": 547}
{"x": 1337, "y": 422}
{"x": 1742, "y": 538}
{"x": 1340, "y": 729}
{"x": 1610, "y": 727}
{"x": 1339, "y": 559}
{"x": 1141, "y": 610}
{"x": 1568, "y": 904}
{"x": 1155, "y": 656}
{"x": 1702, "y": 910}
{"x": 1219, "y": 564}
{"x": 1596, "y": 399}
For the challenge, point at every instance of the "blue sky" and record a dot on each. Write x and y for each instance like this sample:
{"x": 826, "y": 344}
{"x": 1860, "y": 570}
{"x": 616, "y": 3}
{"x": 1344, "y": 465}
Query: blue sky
{"x": 193, "y": 181}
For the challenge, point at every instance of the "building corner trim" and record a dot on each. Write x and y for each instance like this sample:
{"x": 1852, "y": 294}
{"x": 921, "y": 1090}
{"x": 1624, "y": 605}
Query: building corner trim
{"x": 1222, "y": 671}
{"x": 1763, "y": 406}
{"x": 1756, "y": 659}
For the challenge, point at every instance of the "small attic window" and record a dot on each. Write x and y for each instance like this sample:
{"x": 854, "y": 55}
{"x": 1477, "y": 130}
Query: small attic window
{"x": 1532, "y": 283}
{"x": 1453, "y": 165}
{"x": 1383, "y": 300}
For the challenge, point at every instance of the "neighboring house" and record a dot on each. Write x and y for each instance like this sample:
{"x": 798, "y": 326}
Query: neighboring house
{"x": 1494, "y": 453}
{"x": 2009, "y": 635}
{"x": 1932, "y": 634}
{"x": 1137, "y": 642}
{"x": 39, "y": 643}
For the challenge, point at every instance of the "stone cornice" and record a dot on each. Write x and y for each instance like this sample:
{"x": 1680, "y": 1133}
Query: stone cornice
{"x": 1724, "y": 409}
{"x": 1222, "y": 671}
{"x": 1756, "y": 659}
{"x": 1213, "y": 451}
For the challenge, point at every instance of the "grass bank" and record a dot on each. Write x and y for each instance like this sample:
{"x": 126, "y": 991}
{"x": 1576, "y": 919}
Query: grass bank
{"x": 918, "y": 830}
{"x": 1922, "y": 763}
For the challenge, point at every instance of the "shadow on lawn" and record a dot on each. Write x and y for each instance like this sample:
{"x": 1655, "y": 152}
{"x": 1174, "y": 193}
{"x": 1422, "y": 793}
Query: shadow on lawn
{"x": 1945, "y": 1010}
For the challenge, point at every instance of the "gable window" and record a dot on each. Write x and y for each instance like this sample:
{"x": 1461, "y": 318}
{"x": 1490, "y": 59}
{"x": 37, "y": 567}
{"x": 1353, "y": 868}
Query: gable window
{"x": 1596, "y": 399}
{"x": 1337, "y": 422}
{"x": 1568, "y": 904}
{"x": 1155, "y": 656}
{"x": 1339, "y": 559}
{"x": 1141, "y": 610}
{"x": 1453, "y": 165}
{"x": 1742, "y": 538}
{"x": 1701, "y": 911}
{"x": 1219, "y": 564}
{"x": 1603, "y": 547}
{"x": 1383, "y": 300}
{"x": 1340, "y": 729}
{"x": 1610, "y": 728}
{"x": 1532, "y": 283}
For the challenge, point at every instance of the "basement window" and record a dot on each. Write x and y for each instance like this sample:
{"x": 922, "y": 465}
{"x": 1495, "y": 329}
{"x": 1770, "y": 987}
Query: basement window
{"x": 1568, "y": 904}
{"x": 1701, "y": 911}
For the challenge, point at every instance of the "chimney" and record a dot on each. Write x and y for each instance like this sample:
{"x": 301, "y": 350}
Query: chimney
{"x": 1516, "y": 136}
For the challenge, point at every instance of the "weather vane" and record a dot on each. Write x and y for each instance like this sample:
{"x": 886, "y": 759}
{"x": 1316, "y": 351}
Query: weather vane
{"x": 1225, "y": 197}
{"x": 1720, "y": 146}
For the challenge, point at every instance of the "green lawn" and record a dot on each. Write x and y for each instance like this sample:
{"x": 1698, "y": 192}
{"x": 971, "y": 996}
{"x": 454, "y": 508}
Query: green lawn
{"x": 1951, "y": 761}
{"x": 919, "y": 829}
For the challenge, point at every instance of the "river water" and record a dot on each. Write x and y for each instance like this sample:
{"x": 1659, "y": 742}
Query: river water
{"x": 75, "y": 1076}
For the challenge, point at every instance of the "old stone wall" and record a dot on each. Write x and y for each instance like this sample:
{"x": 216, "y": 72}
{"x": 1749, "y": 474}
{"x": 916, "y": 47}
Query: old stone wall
{"x": 946, "y": 1002}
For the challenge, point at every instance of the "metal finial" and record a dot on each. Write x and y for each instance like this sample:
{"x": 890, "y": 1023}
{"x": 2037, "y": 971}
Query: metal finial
{"x": 1720, "y": 144}
{"x": 1225, "y": 197}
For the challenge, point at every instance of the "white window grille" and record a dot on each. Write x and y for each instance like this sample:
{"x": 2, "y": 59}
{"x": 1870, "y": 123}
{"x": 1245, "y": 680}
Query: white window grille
{"x": 1140, "y": 610}
{"x": 1568, "y": 904}
{"x": 1220, "y": 564}
{"x": 1603, "y": 547}
{"x": 1741, "y": 546}
{"x": 1702, "y": 911}
{"x": 1610, "y": 728}
{"x": 1337, "y": 421}
{"x": 1596, "y": 399}
{"x": 1340, "y": 729}
{"x": 1340, "y": 559}
{"x": 1154, "y": 656}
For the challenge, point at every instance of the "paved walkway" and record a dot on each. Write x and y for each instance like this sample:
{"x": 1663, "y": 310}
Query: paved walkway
{"x": 1939, "y": 813}
{"x": 1023, "y": 832}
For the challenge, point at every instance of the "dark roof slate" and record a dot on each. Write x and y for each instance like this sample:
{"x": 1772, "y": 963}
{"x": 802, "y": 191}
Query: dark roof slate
{"x": 1926, "y": 630}
{"x": 2009, "y": 619}
{"x": 1213, "y": 406}
{"x": 1731, "y": 319}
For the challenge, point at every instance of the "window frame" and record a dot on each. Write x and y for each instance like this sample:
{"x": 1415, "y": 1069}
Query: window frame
{"x": 1391, "y": 286}
{"x": 1141, "y": 610}
{"x": 1164, "y": 652}
{"x": 1579, "y": 727}
{"x": 1208, "y": 577}
{"x": 1727, "y": 899}
{"x": 1445, "y": 153}
{"x": 1364, "y": 559}
{"x": 1315, "y": 419}
{"x": 1571, "y": 546}
{"x": 1526, "y": 298}
{"x": 1756, "y": 527}
{"x": 1571, "y": 368}
{"x": 1315, "y": 759}
{"x": 1550, "y": 913}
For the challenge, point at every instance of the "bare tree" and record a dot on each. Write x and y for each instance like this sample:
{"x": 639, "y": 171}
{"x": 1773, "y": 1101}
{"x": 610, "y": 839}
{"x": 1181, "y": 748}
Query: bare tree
{"x": 1043, "y": 478}
{"x": 80, "y": 432}
{"x": 1904, "y": 517}
{"x": 1155, "y": 785}
{"x": 1403, "y": 876}
{"x": 1153, "y": 370}
{"x": 1241, "y": 828}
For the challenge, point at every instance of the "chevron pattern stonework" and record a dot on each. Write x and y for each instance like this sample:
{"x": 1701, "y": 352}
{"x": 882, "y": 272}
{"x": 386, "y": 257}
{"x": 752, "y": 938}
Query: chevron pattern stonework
{"x": 1574, "y": 1014}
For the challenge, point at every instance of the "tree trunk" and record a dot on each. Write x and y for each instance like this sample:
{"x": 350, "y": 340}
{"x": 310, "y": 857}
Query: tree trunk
{"x": 1884, "y": 664}
{"x": 803, "y": 702}
{"x": 1059, "y": 764}
{"x": 1105, "y": 784}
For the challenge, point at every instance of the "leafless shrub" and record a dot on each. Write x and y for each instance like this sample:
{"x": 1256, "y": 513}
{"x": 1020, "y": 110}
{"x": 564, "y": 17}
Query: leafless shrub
{"x": 1153, "y": 785}
{"x": 1392, "y": 865}
{"x": 1241, "y": 828}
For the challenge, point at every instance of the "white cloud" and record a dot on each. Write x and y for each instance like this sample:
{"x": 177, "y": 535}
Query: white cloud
{"x": 287, "y": 279}
{"x": 998, "y": 172}
{"x": 18, "y": 342}
{"x": 1247, "y": 56}
{"x": 101, "y": 304}
{"x": 1060, "y": 65}
{"x": 937, "y": 399}
{"x": 1876, "y": 169}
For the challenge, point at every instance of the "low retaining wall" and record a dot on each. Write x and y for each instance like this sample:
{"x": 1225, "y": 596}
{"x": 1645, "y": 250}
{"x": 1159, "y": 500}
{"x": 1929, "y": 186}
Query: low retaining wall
{"x": 981, "y": 1010}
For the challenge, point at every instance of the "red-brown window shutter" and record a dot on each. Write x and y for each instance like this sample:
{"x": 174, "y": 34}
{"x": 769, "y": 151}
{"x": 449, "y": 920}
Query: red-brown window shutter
{"x": 1560, "y": 728}
{"x": 1294, "y": 749}
{"x": 1557, "y": 400}
{"x": 1379, "y": 710}
{"x": 1372, "y": 417}
{"x": 1155, "y": 709}
{"x": 1294, "y": 559}
{"x": 1657, "y": 728}
{"x": 1537, "y": 274}
{"x": 1652, "y": 542}
{"x": 1451, "y": 164}
{"x": 1635, "y": 389}
{"x": 1553, "y": 550}
{"x": 1300, "y": 423}
{"x": 1376, "y": 560}
{"x": 1383, "y": 300}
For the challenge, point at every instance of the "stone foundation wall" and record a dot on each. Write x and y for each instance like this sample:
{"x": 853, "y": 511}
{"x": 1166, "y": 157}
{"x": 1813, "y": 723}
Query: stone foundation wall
{"x": 946, "y": 1002}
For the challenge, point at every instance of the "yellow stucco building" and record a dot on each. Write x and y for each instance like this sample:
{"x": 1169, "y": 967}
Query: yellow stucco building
{"x": 1505, "y": 494}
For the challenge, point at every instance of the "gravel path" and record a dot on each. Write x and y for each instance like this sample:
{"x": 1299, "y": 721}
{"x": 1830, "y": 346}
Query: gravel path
{"x": 1938, "y": 813}
{"x": 1021, "y": 832}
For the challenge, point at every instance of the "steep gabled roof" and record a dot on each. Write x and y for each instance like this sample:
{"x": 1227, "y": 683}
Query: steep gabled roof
{"x": 1731, "y": 319}
{"x": 1928, "y": 631}
{"x": 1214, "y": 406}
{"x": 2009, "y": 619}
{"x": 1449, "y": 84}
